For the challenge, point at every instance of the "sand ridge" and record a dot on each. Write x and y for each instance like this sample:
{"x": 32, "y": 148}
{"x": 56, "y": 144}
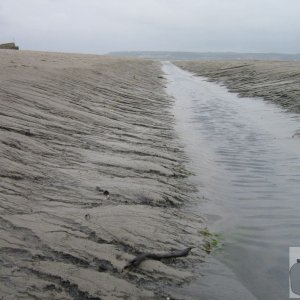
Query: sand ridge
{"x": 276, "y": 81}
{"x": 68, "y": 124}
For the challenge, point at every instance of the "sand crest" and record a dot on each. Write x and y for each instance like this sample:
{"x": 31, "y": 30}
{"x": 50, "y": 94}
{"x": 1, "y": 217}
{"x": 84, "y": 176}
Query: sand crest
{"x": 276, "y": 81}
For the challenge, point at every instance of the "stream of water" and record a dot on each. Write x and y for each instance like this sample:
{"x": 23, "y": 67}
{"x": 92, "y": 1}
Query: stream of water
{"x": 245, "y": 154}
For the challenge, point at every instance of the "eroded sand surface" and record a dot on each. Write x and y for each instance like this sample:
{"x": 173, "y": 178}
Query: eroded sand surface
{"x": 277, "y": 81}
{"x": 68, "y": 124}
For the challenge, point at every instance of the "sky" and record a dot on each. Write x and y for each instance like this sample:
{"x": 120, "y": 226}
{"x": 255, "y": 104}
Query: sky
{"x": 102, "y": 26}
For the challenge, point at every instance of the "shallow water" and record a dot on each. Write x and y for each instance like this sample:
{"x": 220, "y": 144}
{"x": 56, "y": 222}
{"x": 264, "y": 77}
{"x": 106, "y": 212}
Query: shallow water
{"x": 245, "y": 154}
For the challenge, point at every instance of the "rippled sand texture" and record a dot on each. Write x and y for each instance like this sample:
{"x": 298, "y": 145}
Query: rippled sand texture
{"x": 275, "y": 81}
{"x": 68, "y": 124}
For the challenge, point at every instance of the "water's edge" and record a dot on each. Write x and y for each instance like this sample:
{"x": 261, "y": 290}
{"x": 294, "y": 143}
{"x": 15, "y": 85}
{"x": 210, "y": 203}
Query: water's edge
{"x": 245, "y": 162}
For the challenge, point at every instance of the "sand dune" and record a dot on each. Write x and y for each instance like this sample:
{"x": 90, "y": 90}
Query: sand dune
{"x": 68, "y": 124}
{"x": 276, "y": 81}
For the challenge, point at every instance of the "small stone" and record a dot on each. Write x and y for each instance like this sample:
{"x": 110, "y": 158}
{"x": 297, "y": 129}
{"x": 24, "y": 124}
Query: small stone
{"x": 106, "y": 194}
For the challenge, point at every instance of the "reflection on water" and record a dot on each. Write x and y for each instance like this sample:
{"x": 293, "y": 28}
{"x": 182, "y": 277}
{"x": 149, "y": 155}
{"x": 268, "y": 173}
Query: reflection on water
{"x": 246, "y": 157}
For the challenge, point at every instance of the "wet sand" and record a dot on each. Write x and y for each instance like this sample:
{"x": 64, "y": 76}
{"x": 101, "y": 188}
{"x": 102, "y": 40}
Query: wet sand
{"x": 69, "y": 124}
{"x": 277, "y": 81}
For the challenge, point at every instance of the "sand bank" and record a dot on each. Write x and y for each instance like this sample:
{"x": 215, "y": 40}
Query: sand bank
{"x": 68, "y": 124}
{"x": 277, "y": 81}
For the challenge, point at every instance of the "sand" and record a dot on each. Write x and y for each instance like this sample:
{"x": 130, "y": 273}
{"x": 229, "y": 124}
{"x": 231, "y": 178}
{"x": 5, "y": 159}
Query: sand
{"x": 68, "y": 124}
{"x": 276, "y": 81}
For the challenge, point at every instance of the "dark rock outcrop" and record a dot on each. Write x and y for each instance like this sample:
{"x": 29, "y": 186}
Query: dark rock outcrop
{"x": 11, "y": 46}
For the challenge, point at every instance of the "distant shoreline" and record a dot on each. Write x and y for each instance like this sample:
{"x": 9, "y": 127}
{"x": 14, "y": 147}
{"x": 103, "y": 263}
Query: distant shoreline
{"x": 195, "y": 56}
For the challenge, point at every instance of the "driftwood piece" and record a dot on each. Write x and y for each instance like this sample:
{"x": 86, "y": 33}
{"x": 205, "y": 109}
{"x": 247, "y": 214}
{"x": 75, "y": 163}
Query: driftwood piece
{"x": 141, "y": 257}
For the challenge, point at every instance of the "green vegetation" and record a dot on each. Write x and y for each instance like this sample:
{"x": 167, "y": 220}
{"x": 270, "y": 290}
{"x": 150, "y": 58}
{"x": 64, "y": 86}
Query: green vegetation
{"x": 212, "y": 240}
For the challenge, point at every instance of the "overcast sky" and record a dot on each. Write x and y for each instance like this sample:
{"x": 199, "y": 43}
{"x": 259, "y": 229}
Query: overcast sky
{"x": 101, "y": 26}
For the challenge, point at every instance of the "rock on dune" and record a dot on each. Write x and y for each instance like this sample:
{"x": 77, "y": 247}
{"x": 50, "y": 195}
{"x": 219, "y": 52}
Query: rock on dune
{"x": 11, "y": 46}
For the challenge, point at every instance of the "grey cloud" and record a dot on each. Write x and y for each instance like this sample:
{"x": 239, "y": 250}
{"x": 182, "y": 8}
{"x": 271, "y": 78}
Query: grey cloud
{"x": 99, "y": 26}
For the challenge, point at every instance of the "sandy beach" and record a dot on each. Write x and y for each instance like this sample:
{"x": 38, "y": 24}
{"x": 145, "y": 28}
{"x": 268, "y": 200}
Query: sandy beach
{"x": 72, "y": 127}
{"x": 276, "y": 81}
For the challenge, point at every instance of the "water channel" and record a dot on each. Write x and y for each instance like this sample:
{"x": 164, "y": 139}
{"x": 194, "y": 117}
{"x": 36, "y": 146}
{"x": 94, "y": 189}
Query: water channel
{"x": 245, "y": 154}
